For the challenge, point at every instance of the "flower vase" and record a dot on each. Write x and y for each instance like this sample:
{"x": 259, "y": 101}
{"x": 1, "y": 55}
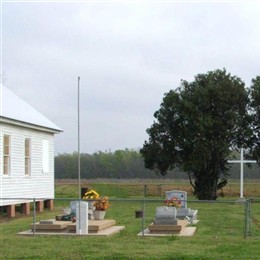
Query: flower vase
{"x": 99, "y": 214}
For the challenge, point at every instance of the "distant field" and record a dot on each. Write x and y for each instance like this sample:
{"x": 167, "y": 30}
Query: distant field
{"x": 153, "y": 187}
{"x": 220, "y": 230}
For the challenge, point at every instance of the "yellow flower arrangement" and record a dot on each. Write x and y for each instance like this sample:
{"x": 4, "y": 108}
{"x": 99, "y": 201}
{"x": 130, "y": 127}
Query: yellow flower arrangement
{"x": 102, "y": 203}
{"x": 173, "y": 202}
{"x": 91, "y": 195}
{"x": 98, "y": 202}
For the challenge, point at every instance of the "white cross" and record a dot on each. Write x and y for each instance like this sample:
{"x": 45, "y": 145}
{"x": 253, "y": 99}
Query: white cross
{"x": 241, "y": 161}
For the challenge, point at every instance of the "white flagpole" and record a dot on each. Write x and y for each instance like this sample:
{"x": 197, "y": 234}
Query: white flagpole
{"x": 79, "y": 154}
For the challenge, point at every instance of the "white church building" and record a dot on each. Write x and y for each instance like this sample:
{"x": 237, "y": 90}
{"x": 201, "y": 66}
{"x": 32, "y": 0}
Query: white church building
{"x": 26, "y": 155}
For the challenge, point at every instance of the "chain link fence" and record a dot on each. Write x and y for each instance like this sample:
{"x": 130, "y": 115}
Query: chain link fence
{"x": 216, "y": 218}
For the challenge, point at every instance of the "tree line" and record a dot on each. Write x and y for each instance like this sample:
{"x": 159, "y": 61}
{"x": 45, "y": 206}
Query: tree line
{"x": 123, "y": 164}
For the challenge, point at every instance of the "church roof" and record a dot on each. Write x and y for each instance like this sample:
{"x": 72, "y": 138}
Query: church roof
{"x": 14, "y": 108}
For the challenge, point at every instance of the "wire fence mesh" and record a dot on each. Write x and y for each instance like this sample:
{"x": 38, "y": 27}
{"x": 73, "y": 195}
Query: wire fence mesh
{"x": 216, "y": 218}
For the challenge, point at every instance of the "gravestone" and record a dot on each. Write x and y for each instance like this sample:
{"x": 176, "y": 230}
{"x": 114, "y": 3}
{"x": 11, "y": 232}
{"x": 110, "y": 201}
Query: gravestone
{"x": 180, "y": 195}
{"x": 73, "y": 206}
{"x": 183, "y": 212}
{"x": 166, "y": 222}
{"x": 81, "y": 218}
{"x": 165, "y": 216}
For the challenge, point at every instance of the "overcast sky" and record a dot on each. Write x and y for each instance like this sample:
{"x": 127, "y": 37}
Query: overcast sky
{"x": 128, "y": 54}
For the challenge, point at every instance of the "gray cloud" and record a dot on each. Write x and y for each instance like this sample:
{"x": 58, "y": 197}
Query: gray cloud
{"x": 127, "y": 54}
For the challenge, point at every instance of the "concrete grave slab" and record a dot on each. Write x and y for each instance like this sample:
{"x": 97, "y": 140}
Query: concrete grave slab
{"x": 50, "y": 226}
{"x": 186, "y": 232}
{"x": 104, "y": 227}
{"x": 105, "y": 232}
{"x": 95, "y": 226}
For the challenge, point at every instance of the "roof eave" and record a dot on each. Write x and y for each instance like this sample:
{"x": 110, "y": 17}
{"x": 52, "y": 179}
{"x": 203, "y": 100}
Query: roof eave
{"x": 29, "y": 125}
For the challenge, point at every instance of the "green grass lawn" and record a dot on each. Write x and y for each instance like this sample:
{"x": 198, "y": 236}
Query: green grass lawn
{"x": 220, "y": 232}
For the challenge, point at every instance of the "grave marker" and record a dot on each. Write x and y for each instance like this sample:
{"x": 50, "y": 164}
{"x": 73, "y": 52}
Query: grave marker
{"x": 242, "y": 161}
{"x": 165, "y": 216}
{"x": 180, "y": 195}
{"x": 183, "y": 212}
{"x": 82, "y": 218}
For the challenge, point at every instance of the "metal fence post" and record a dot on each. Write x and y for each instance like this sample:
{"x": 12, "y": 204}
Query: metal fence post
{"x": 159, "y": 190}
{"x": 145, "y": 190}
{"x": 245, "y": 212}
{"x": 143, "y": 218}
{"x": 247, "y": 218}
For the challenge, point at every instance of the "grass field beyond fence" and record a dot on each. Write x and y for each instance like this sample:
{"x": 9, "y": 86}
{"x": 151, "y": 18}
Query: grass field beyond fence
{"x": 220, "y": 230}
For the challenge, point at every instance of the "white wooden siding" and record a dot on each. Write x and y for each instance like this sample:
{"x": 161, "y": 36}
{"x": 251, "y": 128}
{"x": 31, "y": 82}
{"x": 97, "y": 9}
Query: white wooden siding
{"x": 45, "y": 156}
{"x": 17, "y": 184}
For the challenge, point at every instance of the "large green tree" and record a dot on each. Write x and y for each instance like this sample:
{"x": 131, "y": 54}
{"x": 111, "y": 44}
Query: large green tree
{"x": 197, "y": 127}
{"x": 255, "y": 113}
